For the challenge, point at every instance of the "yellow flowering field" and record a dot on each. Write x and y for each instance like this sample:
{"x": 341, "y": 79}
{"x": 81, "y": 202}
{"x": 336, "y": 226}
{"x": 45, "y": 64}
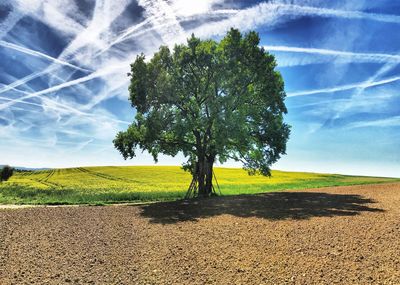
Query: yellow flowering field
{"x": 117, "y": 184}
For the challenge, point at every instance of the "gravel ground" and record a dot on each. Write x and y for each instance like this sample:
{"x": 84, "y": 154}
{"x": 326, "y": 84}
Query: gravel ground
{"x": 337, "y": 235}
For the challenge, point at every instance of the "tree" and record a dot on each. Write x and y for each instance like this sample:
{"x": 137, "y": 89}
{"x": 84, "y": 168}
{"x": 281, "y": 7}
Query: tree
{"x": 6, "y": 173}
{"x": 210, "y": 101}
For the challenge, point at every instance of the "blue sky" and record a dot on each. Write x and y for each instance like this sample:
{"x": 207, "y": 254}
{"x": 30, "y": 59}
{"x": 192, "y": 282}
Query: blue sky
{"x": 63, "y": 83}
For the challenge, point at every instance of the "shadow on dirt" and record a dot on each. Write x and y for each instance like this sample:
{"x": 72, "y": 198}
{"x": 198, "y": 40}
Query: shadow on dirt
{"x": 273, "y": 206}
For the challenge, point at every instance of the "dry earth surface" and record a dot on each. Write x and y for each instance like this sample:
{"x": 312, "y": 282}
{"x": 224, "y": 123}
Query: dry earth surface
{"x": 338, "y": 235}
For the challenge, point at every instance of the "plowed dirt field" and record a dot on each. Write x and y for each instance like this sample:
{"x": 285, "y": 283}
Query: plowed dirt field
{"x": 337, "y": 235}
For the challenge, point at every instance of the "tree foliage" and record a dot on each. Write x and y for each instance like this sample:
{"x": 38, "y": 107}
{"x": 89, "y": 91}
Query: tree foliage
{"x": 6, "y": 173}
{"x": 211, "y": 101}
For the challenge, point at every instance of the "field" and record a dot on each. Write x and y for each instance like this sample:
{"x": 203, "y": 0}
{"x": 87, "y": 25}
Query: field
{"x": 333, "y": 235}
{"x": 104, "y": 185}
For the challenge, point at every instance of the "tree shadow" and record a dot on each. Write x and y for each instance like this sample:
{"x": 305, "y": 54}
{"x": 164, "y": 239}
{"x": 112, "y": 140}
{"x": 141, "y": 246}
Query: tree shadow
{"x": 272, "y": 206}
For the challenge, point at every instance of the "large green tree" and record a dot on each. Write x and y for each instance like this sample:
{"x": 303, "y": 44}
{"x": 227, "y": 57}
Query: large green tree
{"x": 210, "y": 101}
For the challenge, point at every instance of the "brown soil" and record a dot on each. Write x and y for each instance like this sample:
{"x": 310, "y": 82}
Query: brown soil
{"x": 339, "y": 235}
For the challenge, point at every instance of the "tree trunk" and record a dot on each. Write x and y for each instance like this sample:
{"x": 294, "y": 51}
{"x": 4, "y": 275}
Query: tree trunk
{"x": 205, "y": 175}
{"x": 201, "y": 176}
{"x": 209, "y": 174}
{"x": 204, "y": 172}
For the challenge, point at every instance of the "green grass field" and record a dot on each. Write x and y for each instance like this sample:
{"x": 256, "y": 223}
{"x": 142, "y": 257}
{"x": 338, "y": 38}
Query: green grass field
{"x": 104, "y": 185}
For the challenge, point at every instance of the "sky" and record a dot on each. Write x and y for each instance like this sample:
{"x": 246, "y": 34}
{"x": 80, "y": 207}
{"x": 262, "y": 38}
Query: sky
{"x": 64, "y": 83}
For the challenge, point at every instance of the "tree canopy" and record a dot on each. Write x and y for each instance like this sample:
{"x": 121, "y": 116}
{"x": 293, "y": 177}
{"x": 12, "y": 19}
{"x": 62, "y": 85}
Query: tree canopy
{"x": 211, "y": 101}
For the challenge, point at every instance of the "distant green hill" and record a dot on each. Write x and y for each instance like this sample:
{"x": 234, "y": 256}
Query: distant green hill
{"x": 102, "y": 185}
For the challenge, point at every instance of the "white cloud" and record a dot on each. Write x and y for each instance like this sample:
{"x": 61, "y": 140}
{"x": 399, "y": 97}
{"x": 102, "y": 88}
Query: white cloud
{"x": 163, "y": 16}
{"x": 54, "y": 13}
{"x": 181, "y": 7}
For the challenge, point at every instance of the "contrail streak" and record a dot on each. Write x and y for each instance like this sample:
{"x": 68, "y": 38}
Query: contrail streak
{"x": 128, "y": 32}
{"x": 261, "y": 13}
{"x": 326, "y": 12}
{"x": 271, "y": 14}
{"x": 370, "y": 56}
{"x": 60, "y": 107}
{"x": 384, "y": 69}
{"x": 363, "y": 85}
{"x": 389, "y": 122}
{"x": 160, "y": 12}
{"x": 26, "y": 79}
{"x": 96, "y": 33}
{"x": 56, "y": 106}
{"x": 131, "y": 31}
{"x": 39, "y": 54}
{"x": 21, "y": 101}
{"x": 70, "y": 83}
